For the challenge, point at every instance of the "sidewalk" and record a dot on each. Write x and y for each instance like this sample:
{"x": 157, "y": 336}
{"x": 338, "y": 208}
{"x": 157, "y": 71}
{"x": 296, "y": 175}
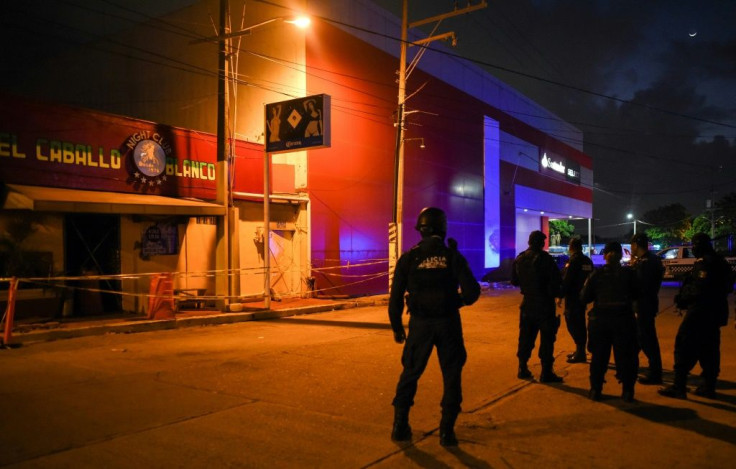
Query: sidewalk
{"x": 36, "y": 330}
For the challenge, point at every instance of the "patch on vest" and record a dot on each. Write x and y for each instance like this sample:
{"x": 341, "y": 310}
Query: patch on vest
{"x": 434, "y": 262}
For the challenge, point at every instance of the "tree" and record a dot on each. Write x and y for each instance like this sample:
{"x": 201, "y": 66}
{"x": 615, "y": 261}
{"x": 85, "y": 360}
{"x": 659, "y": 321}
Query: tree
{"x": 721, "y": 220}
{"x": 563, "y": 227}
{"x": 667, "y": 225}
{"x": 725, "y": 214}
{"x": 700, "y": 224}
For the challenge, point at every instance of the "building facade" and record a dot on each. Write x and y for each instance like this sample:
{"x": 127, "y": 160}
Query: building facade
{"x": 497, "y": 163}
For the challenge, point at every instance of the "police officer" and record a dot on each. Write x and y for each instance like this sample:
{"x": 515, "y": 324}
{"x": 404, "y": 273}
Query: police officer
{"x": 611, "y": 323}
{"x": 574, "y": 274}
{"x": 538, "y": 277}
{"x": 649, "y": 271}
{"x": 704, "y": 297}
{"x": 430, "y": 272}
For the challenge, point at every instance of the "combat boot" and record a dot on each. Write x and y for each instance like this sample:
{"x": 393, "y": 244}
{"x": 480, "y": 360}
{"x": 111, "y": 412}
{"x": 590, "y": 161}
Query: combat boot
{"x": 678, "y": 389}
{"x": 578, "y": 356}
{"x": 524, "y": 372}
{"x": 673, "y": 391}
{"x": 627, "y": 393}
{"x": 401, "y": 430}
{"x": 651, "y": 378}
{"x": 706, "y": 390}
{"x": 548, "y": 375}
{"x": 447, "y": 429}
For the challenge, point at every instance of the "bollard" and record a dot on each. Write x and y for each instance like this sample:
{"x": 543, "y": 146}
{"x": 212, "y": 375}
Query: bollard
{"x": 161, "y": 301}
{"x": 10, "y": 311}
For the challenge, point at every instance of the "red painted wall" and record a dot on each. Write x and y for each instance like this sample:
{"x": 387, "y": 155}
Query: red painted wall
{"x": 93, "y": 152}
{"x": 351, "y": 184}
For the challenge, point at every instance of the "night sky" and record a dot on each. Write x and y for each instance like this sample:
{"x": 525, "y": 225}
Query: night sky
{"x": 651, "y": 84}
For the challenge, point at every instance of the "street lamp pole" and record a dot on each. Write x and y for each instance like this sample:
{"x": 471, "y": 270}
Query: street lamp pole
{"x": 394, "y": 230}
{"x": 223, "y": 286}
{"x": 631, "y": 216}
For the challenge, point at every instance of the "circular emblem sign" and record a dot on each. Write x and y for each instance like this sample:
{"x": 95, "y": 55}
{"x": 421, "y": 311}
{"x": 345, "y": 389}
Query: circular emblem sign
{"x": 150, "y": 158}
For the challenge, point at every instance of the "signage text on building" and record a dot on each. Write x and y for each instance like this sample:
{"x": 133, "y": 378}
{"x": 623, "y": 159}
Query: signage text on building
{"x": 569, "y": 169}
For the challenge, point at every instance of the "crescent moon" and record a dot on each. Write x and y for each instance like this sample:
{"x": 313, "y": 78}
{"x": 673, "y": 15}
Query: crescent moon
{"x": 693, "y": 34}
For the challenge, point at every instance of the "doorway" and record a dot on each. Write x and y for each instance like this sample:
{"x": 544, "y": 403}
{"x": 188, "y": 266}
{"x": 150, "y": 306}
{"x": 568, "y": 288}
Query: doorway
{"x": 92, "y": 247}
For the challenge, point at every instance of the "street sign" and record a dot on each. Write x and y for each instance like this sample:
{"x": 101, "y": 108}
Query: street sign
{"x": 298, "y": 124}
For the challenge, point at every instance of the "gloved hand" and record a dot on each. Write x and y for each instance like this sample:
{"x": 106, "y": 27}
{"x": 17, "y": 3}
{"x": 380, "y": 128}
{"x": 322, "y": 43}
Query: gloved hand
{"x": 400, "y": 336}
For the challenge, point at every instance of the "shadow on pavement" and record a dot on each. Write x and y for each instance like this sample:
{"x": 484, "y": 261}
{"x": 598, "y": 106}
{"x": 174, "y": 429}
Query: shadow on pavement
{"x": 468, "y": 460}
{"x": 423, "y": 459}
{"x": 684, "y": 419}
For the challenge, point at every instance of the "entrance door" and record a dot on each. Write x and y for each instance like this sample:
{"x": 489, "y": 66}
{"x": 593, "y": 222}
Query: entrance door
{"x": 285, "y": 274}
{"x": 92, "y": 247}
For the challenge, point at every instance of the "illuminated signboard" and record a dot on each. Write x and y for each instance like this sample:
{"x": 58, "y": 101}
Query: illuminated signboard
{"x": 298, "y": 124}
{"x": 556, "y": 164}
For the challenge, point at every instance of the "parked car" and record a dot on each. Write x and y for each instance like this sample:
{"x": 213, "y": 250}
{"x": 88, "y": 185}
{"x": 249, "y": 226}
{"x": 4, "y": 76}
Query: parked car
{"x": 560, "y": 254}
{"x": 679, "y": 260}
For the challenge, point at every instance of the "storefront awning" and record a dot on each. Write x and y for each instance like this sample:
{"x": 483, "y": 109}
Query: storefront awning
{"x": 52, "y": 199}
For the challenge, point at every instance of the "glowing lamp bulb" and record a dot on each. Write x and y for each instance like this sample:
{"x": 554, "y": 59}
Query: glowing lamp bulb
{"x": 301, "y": 22}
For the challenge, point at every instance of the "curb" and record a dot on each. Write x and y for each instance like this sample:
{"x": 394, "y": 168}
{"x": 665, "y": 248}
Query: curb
{"x": 150, "y": 325}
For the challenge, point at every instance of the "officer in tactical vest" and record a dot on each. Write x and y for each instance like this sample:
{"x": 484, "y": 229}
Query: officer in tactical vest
{"x": 611, "y": 323}
{"x": 538, "y": 277}
{"x": 431, "y": 272}
{"x": 649, "y": 272}
{"x": 704, "y": 297}
{"x": 576, "y": 271}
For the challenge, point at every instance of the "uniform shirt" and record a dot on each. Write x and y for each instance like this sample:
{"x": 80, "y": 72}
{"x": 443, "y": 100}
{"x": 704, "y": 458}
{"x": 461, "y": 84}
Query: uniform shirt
{"x": 431, "y": 272}
{"x": 612, "y": 289}
{"x": 574, "y": 274}
{"x": 649, "y": 272}
{"x": 537, "y": 275}
{"x": 705, "y": 290}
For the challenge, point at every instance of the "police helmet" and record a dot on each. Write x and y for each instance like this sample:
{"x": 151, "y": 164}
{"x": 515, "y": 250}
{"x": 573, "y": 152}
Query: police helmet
{"x": 613, "y": 247}
{"x": 432, "y": 221}
{"x": 536, "y": 238}
{"x": 701, "y": 244}
{"x": 641, "y": 240}
{"x": 701, "y": 239}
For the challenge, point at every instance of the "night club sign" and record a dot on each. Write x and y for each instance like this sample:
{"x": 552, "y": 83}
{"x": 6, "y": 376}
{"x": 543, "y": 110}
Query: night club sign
{"x": 154, "y": 164}
{"x": 298, "y": 124}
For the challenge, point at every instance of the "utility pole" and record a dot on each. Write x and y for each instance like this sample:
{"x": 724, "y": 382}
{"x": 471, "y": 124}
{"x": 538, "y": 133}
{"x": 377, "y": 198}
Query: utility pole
{"x": 395, "y": 227}
{"x": 709, "y": 207}
{"x": 222, "y": 176}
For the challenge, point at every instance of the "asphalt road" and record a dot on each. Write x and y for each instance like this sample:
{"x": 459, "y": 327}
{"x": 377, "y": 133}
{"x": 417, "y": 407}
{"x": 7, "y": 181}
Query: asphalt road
{"x": 315, "y": 391}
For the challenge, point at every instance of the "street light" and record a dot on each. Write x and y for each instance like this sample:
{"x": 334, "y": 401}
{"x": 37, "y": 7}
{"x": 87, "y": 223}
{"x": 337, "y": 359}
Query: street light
{"x": 224, "y": 250}
{"x": 420, "y": 139}
{"x": 631, "y": 216}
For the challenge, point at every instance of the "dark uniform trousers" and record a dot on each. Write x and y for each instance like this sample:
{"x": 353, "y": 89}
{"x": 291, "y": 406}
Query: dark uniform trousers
{"x": 537, "y": 318}
{"x": 698, "y": 340}
{"x": 648, "y": 341}
{"x": 705, "y": 294}
{"x": 617, "y": 332}
{"x": 446, "y": 334}
{"x": 575, "y": 321}
{"x": 648, "y": 271}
